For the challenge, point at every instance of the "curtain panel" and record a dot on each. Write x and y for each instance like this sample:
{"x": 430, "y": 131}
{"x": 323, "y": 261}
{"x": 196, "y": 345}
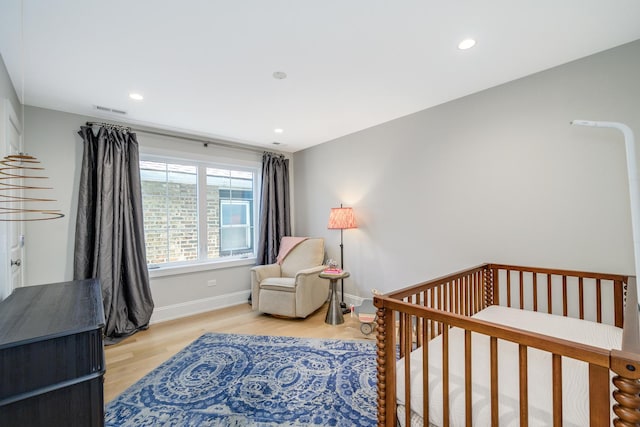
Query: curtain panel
{"x": 275, "y": 221}
{"x": 109, "y": 243}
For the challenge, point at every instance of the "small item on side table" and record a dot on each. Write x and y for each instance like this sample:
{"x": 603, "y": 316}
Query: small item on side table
{"x": 334, "y": 313}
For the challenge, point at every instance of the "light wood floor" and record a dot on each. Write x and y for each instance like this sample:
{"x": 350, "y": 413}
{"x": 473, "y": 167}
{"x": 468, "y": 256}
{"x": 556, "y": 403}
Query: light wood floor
{"x": 139, "y": 354}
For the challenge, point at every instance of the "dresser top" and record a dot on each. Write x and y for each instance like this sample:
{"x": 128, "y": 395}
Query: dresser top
{"x": 35, "y": 313}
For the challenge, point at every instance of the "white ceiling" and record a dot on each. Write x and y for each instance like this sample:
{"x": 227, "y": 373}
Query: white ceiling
{"x": 205, "y": 66}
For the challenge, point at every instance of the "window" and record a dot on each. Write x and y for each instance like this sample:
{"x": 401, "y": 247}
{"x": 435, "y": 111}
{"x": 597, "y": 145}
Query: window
{"x": 196, "y": 212}
{"x": 235, "y": 230}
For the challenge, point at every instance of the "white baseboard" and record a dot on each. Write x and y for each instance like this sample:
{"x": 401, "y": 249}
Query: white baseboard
{"x": 352, "y": 299}
{"x": 189, "y": 308}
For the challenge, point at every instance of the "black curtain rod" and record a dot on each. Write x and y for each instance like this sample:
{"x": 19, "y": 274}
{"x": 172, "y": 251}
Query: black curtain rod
{"x": 109, "y": 125}
{"x": 203, "y": 141}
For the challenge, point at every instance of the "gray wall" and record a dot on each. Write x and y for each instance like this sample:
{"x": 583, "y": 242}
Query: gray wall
{"x": 497, "y": 176}
{"x": 52, "y": 137}
{"x": 7, "y": 90}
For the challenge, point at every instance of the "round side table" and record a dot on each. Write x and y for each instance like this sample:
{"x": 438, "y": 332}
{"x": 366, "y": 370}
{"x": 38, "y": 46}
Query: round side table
{"x": 334, "y": 313}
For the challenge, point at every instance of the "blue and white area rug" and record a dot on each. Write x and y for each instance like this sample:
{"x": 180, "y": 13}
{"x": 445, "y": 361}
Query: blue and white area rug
{"x": 249, "y": 380}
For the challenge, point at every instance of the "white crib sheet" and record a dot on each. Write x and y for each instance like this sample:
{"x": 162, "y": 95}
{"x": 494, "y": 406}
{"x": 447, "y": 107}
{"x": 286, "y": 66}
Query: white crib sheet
{"x": 575, "y": 378}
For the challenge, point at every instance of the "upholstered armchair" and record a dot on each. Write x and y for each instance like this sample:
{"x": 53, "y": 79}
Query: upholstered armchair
{"x": 291, "y": 288}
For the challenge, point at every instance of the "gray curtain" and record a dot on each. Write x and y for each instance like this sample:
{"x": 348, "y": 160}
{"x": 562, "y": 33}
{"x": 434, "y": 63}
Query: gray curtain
{"x": 274, "y": 207}
{"x": 109, "y": 242}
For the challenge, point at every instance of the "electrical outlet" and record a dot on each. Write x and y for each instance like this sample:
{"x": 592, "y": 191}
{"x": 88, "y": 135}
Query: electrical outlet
{"x": 211, "y": 283}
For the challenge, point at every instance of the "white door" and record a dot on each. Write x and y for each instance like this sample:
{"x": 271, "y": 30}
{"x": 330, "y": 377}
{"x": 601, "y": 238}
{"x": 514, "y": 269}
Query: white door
{"x": 12, "y": 231}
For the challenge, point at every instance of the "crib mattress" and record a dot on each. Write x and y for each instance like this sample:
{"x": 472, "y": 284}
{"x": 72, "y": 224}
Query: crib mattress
{"x": 575, "y": 378}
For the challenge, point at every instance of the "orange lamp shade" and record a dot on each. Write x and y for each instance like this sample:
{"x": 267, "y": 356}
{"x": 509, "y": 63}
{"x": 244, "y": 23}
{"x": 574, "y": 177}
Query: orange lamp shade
{"x": 341, "y": 218}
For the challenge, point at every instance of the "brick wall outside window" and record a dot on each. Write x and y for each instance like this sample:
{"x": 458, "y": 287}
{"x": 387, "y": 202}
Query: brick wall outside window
{"x": 174, "y": 230}
{"x": 178, "y": 205}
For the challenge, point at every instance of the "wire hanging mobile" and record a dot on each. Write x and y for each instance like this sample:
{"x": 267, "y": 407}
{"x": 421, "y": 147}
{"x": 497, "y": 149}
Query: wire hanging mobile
{"x": 16, "y": 171}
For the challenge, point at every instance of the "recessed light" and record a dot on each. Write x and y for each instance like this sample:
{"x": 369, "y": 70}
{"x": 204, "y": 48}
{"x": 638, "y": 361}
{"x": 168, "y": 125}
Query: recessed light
{"x": 136, "y": 96}
{"x": 466, "y": 44}
{"x": 278, "y": 130}
{"x": 279, "y": 75}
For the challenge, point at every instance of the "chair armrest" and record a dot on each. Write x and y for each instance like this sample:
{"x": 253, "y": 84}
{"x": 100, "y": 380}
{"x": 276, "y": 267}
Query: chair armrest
{"x": 261, "y": 272}
{"x": 258, "y": 274}
{"x": 310, "y": 271}
{"x": 311, "y": 290}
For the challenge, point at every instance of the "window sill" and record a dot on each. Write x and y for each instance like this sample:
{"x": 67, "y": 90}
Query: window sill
{"x": 204, "y": 266}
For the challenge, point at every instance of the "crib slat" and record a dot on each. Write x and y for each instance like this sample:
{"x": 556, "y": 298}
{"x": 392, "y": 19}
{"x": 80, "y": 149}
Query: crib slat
{"x": 581, "y": 296}
{"x": 617, "y": 297}
{"x": 479, "y": 297}
{"x": 467, "y": 377}
{"x": 465, "y": 297}
{"x": 464, "y": 292}
{"x": 450, "y": 290}
{"x": 468, "y": 285}
{"x": 521, "y": 289}
{"x": 598, "y": 396}
{"x": 420, "y": 321}
{"x": 478, "y": 293}
{"x": 471, "y": 284}
{"x": 599, "y": 301}
{"x": 493, "y": 345}
{"x": 524, "y": 388}
{"x": 535, "y": 291}
{"x": 439, "y": 307}
{"x": 460, "y": 297}
{"x": 474, "y": 279}
{"x": 508, "y": 288}
{"x": 432, "y": 329}
{"x": 425, "y": 382}
{"x": 557, "y": 390}
{"x": 564, "y": 296}
{"x": 407, "y": 367}
{"x": 496, "y": 286}
{"x": 445, "y": 376}
{"x": 401, "y": 335}
{"x": 549, "y": 300}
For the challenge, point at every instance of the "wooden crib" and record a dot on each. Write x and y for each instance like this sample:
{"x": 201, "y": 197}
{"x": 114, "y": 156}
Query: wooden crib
{"x": 411, "y": 321}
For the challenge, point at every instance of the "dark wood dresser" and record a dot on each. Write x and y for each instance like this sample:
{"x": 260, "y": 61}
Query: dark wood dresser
{"x": 51, "y": 355}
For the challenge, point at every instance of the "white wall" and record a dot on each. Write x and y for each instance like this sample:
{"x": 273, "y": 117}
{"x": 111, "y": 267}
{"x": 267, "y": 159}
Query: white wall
{"x": 498, "y": 176}
{"x": 52, "y": 137}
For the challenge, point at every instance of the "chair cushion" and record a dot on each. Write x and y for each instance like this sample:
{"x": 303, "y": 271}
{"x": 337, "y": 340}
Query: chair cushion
{"x": 284, "y": 284}
{"x": 307, "y": 254}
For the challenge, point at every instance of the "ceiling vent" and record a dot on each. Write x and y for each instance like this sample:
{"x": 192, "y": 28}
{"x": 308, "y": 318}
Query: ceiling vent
{"x": 109, "y": 110}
